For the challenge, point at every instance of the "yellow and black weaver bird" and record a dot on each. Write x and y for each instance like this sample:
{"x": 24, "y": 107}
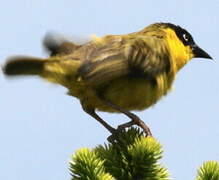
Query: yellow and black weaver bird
{"x": 115, "y": 73}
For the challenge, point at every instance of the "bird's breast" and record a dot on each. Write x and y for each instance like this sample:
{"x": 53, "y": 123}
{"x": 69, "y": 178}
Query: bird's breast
{"x": 131, "y": 93}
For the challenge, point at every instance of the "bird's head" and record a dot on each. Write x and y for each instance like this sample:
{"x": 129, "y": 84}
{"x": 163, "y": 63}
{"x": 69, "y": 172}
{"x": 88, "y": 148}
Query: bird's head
{"x": 181, "y": 44}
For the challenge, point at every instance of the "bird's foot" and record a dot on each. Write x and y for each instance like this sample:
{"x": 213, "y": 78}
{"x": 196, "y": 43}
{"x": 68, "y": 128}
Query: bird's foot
{"x": 135, "y": 121}
{"x": 115, "y": 134}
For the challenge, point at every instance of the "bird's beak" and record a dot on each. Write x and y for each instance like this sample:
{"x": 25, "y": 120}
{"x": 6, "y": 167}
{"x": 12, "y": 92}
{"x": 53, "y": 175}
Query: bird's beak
{"x": 200, "y": 53}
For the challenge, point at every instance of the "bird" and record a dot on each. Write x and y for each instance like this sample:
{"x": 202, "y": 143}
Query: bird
{"x": 115, "y": 73}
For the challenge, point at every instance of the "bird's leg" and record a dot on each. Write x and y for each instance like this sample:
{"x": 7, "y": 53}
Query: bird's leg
{"x": 134, "y": 119}
{"x": 92, "y": 113}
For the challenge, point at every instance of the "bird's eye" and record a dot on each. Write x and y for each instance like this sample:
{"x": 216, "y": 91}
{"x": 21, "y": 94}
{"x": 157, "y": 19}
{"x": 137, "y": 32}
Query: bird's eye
{"x": 185, "y": 37}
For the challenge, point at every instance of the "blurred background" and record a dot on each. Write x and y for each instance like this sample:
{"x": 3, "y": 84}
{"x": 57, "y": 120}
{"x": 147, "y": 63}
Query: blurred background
{"x": 40, "y": 126}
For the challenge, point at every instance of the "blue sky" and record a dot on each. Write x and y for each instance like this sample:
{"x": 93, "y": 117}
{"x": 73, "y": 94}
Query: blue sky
{"x": 40, "y": 126}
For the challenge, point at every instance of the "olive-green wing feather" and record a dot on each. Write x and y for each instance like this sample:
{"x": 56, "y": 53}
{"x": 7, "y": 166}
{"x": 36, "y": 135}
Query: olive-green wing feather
{"x": 104, "y": 70}
{"x": 140, "y": 56}
{"x": 148, "y": 57}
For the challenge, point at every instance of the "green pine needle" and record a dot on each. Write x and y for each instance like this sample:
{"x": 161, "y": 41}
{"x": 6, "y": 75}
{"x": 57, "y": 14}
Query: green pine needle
{"x": 209, "y": 171}
{"x": 145, "y": 153}
{"x": 85, "y": 165}
{"x": 130, "y": 156}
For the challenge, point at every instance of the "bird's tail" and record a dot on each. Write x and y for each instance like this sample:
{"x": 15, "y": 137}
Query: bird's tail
{"x": 24, "y": 66}
{"x": 52, "y": 69}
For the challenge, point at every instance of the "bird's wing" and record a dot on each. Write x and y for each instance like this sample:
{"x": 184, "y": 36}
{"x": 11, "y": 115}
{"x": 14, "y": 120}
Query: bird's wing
{"x": 149, "y": 56}
{"x": 140, "y": 56}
